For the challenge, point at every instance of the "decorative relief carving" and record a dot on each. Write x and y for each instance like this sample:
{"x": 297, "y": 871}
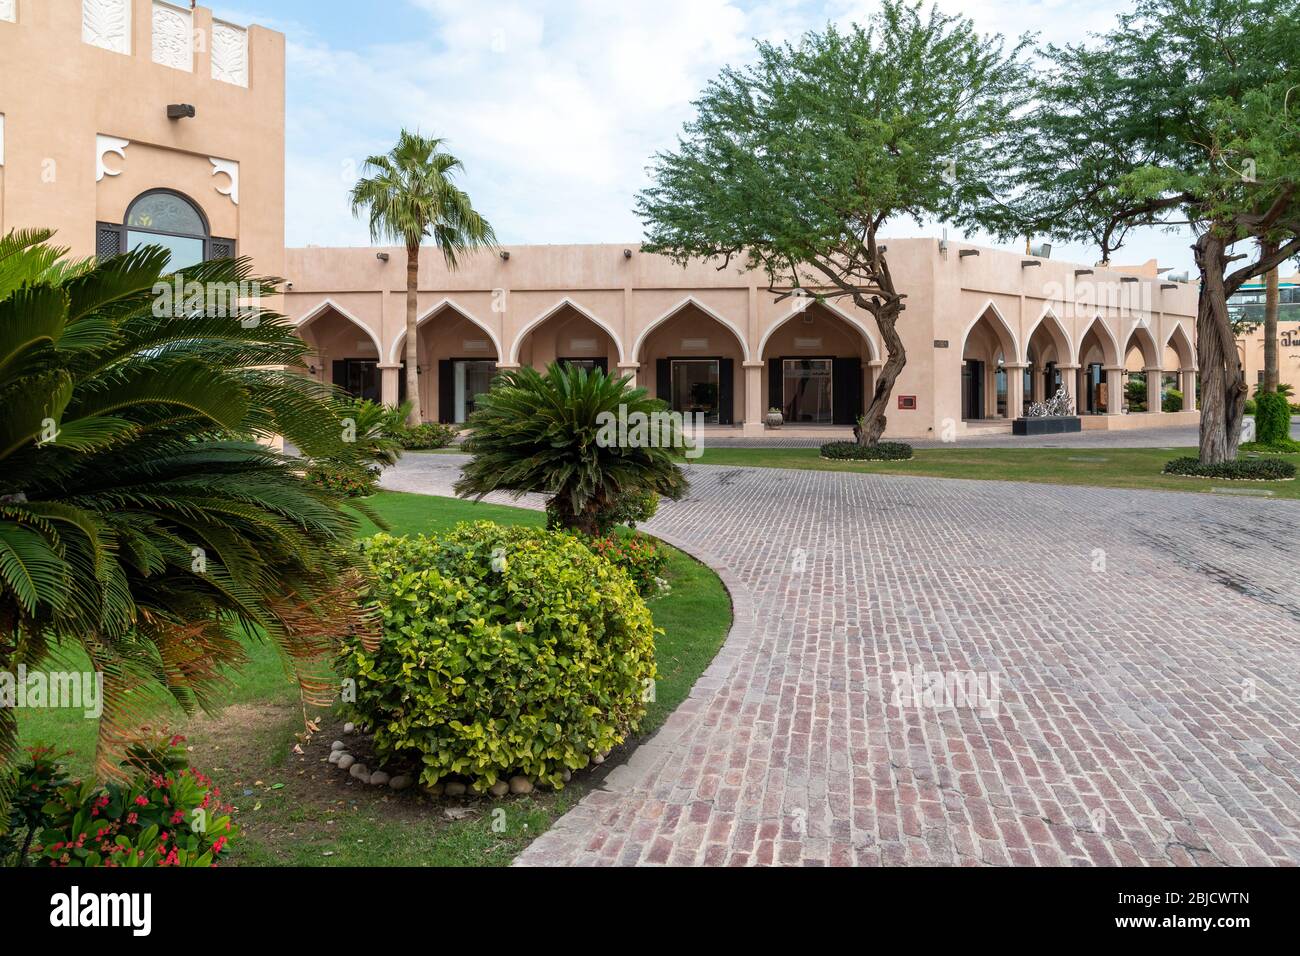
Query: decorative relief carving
{"x": 103, "y": 146}
{"x": 229, "y": 53}
{"x": 9, "y": 10}
{"x": 107, "y": 24}
{"x": 173, "y": 37}
{"x": 231, "y": 169}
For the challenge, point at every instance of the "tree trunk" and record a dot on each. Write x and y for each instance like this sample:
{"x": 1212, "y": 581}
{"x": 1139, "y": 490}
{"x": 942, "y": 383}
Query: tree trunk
{"x": 1271, "y": 299}
{"x": 874, "y": 419}
{"x": 1223, "y": 384}
{"x": 412, "y": 333}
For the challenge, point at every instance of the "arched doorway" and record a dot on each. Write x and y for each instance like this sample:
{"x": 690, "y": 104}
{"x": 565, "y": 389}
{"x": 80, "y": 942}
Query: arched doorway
{"x": 456, "y": 360}
{"x": 1142, "y": 372}
{"x": 818, "y": 367}
{"x": 689, "y": 358}
{"x": 1049, "y": 361}
{"x": 567, "y": 334}
{"x": 1180, "y": 365}
{"x": 1097, "y": 354}
{"x": 344, "y": 351}
{"x": 989, "y": 358}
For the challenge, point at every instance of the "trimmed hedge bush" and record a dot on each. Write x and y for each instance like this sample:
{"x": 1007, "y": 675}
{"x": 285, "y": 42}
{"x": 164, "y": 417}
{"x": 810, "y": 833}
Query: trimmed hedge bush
{"x": 427, "y": 436}
{"x": 881, "y": 451}
{"x": 1272, "y": 418}
{"x": 1243, "y": 469}
{"x": 504, "y": 650}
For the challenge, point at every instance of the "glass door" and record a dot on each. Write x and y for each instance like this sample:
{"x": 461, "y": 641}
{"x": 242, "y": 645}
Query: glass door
{"x": 807, "y": 391}
{"x": 472, "y": 378}
{"x": 695, "y": 388}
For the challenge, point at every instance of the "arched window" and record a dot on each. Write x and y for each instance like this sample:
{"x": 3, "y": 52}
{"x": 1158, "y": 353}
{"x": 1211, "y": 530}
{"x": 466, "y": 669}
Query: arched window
{"x": 162, "y": 217}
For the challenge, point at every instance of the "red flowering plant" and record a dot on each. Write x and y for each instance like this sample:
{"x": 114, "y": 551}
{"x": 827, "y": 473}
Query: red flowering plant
{"x": 167, "y": 814}
{"x": 35, "y": 783}
{"x": 638, "y": 555}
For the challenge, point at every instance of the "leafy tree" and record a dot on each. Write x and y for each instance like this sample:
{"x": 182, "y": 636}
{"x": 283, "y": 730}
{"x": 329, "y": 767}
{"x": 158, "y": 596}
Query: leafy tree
{"x": 144, "y": 517}
{"x": 409, "y": 196}
{"x": 795, "y": 164}
{"x": 1198, "y": 102}
{"x": 556, "y": 434}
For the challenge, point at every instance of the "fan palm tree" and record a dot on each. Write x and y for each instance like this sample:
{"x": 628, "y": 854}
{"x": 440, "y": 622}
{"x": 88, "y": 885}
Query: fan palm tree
{"x": 408, "y": 195}
{"x": 145, "y": 518}
{"x": 550, "y": 434}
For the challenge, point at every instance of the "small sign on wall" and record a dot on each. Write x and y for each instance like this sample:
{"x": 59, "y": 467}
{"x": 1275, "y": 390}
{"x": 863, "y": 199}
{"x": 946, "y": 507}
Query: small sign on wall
{"x": 941, "y": 343}
{"x": 907, "y": 402}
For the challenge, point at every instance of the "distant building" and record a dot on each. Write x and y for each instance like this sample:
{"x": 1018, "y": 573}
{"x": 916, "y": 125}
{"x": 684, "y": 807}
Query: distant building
{"x": 1247, "y": 307}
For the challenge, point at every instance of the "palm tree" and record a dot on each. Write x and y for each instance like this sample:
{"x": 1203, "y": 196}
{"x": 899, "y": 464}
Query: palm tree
{"x": 550, "y": 434}
{"x": 408, "y": 195}
{"x": 145, "y": 519}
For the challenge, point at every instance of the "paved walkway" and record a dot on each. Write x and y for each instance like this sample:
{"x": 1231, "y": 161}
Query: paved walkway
{"x": 1145, "y": 648}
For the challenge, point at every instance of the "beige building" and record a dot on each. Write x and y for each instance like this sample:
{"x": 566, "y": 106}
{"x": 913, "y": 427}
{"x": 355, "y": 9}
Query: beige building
{"x": 131, "y": 121}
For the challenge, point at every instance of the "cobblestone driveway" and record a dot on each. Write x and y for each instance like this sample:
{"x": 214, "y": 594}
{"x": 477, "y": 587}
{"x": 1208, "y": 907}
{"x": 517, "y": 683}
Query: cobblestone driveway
{"x": 1146, "y": 648}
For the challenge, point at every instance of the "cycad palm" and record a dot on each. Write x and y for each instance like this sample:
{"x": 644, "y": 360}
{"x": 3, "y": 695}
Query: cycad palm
{"x": 140, "y": 519}
{"x": 543, "y": 433}
{"x": 408, "y": 195}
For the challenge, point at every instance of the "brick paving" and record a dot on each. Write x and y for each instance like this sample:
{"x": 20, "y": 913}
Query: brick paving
{"x": 1145, "y": 646}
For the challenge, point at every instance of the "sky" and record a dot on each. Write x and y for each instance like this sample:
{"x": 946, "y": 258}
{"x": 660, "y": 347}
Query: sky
{"x": 556, "y": 108}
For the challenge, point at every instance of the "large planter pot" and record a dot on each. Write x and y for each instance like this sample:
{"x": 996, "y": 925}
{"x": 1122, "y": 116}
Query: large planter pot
{"x": 775, "y": 420}
{"x": 1047, "y": 425}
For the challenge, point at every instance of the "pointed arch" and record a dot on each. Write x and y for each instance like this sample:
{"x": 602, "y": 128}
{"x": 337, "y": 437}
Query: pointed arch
{"x": 585, "y": 313}
{"x": 690, "y": 300}
{"x": 1106, "y": 337}
{"x": 1010, "y": 345}
{"x": 329, "y": 305}
{"x": 395, "y": 354}
{"x": 1060, "y": 335}
{"x": 1186, "y": 351}
{"x": 1146, "y": 344}
{"x": 858, "y": 327}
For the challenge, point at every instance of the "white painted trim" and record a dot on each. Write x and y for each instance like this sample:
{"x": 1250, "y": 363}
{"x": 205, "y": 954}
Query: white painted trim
{"x": 103, "y": 146}
{"x": 331, "y": 304}
{"x": 230, "y": 168}
{"x": 534, "y": 323}
{"x": 1049, "y": 312}
{"x": 834, "y": 310}
{"x": 444, "y": 303}
{"x": 689, "y": 300}
{"x": 1006, "y": 327}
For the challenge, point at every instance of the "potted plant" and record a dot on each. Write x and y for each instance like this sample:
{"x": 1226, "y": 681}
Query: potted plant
{"x": 774, "y": 418}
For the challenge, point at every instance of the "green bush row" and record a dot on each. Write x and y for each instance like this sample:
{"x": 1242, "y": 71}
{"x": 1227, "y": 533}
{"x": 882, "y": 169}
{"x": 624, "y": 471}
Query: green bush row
{"x": 426, "y": 436}
{"x": 881, "y": 451}
{"x": 1243, "y": 469}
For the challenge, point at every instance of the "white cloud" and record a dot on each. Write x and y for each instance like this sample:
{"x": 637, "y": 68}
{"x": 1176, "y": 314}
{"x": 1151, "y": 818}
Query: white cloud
{"x": 557, "y": 107}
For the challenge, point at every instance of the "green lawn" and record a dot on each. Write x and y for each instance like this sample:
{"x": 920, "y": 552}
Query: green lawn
{"x": 1106, "y": 467}
{"x": 298, "y": 811}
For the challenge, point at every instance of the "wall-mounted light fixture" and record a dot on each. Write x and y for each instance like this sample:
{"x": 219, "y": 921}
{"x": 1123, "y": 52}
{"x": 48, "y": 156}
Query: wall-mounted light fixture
{"x": 505, "y": 254}
{"x": 1128, "y": 278}
{"x": 1169, "y": 285}
{"x": 381, "y": 256}
{"x": 1027, "y": 263}
{"x": 1082, "y": 272}
{"x": 627, "y": 253}
{"x": 177, "y": 111}
{"x": 963, "y": 253}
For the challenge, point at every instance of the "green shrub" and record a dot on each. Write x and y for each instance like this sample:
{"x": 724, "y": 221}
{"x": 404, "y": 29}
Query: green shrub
{"x": 1173, "y": 401}
{"x": 1243, "y": 469}
{"x": 35, "y": 783}
{"x": 427, "y": 436}
{"x": 643, "y": 558}
{"x": 167, "y": 814}
{"x": 1249, "y": 407}
{"x": 345, "y": 482}
{"x": 881, "y": 451}
{"x": 589, "y": 441}
{"x": 1272, "y": 418}
{"x": 504, "y": 650}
